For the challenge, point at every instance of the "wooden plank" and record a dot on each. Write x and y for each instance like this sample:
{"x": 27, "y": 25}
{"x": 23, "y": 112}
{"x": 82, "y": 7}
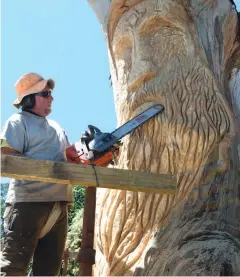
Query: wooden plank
{"x": 85, "y": 175}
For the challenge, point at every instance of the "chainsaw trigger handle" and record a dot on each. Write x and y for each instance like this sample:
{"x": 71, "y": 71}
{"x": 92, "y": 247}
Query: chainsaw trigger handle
{"x": 93, "y": 130}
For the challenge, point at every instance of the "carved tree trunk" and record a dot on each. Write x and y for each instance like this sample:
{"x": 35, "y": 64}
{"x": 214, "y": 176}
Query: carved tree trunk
{"x": 184, "y": 54}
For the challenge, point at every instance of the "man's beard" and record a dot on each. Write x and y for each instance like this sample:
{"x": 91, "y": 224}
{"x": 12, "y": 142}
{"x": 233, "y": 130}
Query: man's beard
{"x": 178, "y": 142}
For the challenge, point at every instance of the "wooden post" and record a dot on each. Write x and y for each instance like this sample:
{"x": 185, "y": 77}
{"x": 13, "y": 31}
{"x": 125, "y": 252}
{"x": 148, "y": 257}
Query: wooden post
{"x": 86, "y": 255}
{"x": 65, "y": 262}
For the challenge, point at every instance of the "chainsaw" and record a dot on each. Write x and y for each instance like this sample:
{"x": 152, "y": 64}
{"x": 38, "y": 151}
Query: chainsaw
{"x": 101, "y": 149}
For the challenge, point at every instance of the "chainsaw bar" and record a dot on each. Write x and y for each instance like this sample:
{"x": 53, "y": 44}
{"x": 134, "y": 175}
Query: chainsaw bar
{"x": 106, "y": 140}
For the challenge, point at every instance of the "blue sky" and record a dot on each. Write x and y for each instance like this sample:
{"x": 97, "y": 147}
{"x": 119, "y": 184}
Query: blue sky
{"x": 59, "y": 39}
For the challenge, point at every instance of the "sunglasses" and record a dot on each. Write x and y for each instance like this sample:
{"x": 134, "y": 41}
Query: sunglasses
{"x": 44, "y": 94}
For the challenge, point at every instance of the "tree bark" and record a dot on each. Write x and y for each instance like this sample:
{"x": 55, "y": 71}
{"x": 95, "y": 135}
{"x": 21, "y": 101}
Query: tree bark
{"x": 184, "y": 54}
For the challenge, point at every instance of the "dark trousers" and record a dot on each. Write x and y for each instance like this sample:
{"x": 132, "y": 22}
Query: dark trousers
{"x": 22, "y": 242}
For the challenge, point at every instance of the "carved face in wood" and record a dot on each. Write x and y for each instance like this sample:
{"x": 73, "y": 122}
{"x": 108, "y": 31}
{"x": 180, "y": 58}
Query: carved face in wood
{"x": 164, "y": 51}
{"x": 158, "y": 57}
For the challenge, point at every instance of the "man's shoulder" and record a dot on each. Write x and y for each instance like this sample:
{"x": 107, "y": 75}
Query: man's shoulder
{"x": 14, "y": 124}
{"x": 17, "y": 118}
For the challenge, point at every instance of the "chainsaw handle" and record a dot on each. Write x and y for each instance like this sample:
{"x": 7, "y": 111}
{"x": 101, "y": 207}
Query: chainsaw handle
{"x": 93, "y": 130}
{"x": 90, "y": 134}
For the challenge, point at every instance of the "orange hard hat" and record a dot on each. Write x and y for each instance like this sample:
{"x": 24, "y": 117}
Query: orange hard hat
{"x": 30, "y": 83}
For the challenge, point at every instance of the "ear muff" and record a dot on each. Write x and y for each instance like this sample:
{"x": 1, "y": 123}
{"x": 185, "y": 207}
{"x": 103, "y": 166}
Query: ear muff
{"x": 28, "y": 102}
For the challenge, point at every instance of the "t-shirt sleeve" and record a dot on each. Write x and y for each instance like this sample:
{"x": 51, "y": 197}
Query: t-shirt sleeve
{"x": 68, "y": 144}
{"x": 13, "y": 132}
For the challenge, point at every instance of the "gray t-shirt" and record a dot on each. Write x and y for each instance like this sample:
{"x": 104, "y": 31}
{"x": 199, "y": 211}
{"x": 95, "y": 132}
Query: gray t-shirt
{"x": 36, "y": 138}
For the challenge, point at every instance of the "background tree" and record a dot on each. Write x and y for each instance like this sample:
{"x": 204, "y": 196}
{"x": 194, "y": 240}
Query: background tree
{"x": 4, "y": 189}
{"x": 74, "y": 236}
{"x": 74, "y": 240}
{"x": 79, "y": 197}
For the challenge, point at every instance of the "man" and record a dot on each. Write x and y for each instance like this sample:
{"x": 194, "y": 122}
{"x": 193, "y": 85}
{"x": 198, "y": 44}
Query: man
{"x": 35, "y": 219}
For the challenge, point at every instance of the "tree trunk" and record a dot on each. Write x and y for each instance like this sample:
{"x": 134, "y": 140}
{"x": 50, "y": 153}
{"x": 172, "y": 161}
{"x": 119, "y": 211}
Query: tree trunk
{"x": 184, "y": 54}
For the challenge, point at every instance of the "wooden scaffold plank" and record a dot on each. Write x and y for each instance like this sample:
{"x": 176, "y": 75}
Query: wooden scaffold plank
{"x": 85, "y": 175}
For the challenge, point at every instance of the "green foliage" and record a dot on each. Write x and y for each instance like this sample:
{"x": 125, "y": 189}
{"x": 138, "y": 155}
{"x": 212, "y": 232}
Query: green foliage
{"x": 4, "y": 189}
{"x": 79, "y": 196}
{"x": 74, "y": 240}
{"x": 74, "y": 237}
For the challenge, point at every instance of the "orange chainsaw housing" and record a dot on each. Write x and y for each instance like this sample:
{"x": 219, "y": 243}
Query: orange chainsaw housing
{"x": 76, "y": 156}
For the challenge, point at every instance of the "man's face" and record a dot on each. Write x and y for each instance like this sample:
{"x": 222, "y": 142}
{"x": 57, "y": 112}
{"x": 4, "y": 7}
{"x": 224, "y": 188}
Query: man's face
{"x": 42, "y": 104}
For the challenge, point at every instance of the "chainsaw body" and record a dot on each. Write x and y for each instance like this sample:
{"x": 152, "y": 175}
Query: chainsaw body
{"x": 84, "y": 151}
{"x": 101, "y": 149}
